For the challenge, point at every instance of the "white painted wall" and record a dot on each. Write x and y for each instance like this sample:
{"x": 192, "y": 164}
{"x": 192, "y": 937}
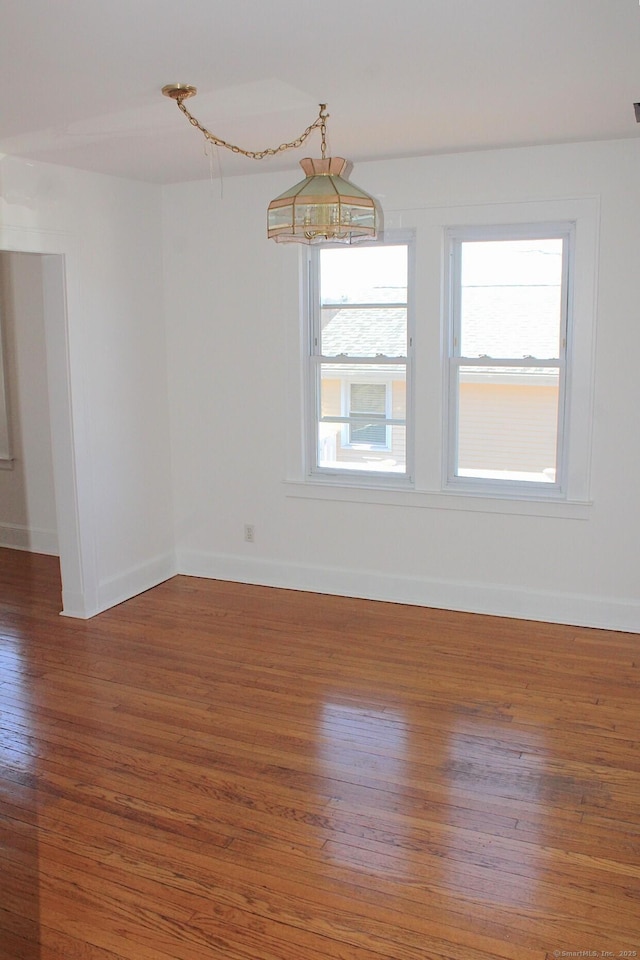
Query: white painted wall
{"x": 231, "y": 303}
{"x": 123, "y": 497}
{"x": 107, "y": 374}
{"x": 27, "y": 501}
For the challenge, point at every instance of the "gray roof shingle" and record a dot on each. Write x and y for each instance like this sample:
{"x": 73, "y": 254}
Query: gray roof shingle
{"x": 365, "y": 332}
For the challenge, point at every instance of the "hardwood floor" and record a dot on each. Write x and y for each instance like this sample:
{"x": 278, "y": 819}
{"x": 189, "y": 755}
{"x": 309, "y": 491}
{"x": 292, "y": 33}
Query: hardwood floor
{"x": 214, "y": 770}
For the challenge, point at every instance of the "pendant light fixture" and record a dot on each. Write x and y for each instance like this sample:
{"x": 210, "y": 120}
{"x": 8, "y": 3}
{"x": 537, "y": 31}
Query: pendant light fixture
{"x": 324, "y": 207}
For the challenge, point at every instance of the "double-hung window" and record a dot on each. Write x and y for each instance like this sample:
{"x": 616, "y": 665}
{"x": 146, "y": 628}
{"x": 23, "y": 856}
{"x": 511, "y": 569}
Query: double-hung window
{"x": 508, "y": 340}
{"x": 492, "y": 401}
{"x": 358, "y": 357}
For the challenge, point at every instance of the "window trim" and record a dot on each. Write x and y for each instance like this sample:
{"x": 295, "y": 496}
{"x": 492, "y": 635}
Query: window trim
{"x": 425, "y": 227}
{"x": 453, "y": 482}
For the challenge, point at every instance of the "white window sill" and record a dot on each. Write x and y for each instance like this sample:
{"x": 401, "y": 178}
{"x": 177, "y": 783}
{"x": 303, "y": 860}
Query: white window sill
{"x": 349, "y": 492}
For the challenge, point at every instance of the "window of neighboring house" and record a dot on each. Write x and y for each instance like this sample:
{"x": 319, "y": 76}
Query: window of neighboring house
{"x": 509, "y": 341}
{"x": 367, "y": 400}
{"x": 358, "y": 361}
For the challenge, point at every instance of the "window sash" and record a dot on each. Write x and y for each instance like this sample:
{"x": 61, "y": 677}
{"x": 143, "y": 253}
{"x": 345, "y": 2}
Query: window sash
{"x": 466, "y": 481}
{"x": 384, "y": 373}
{"x": 382, "y": 366}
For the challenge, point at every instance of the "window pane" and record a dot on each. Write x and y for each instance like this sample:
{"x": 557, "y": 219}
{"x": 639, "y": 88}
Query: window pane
{"x": 359, "y": 356}
{"x": 338, "y": 380}
{"x": 365, "y": 275}
{"x": 511, "y": 298}
{"x": 364, "y": 332}
{"x": 357, "y": 401}
{"x": 508, "y": 423}
{"x": 332, "y": 454}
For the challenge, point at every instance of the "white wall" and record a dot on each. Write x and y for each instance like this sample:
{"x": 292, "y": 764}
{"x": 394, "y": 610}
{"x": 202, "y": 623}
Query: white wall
{"x": 231, "y": 310}
{"x": 231, "y": 303}
{"x": 107, "y": 373}
{"x": 27, "y": 501}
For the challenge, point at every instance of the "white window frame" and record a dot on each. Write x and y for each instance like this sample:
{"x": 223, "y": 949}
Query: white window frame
{"x": 314, "y": 360}
{"x": 455, "y": 238}
{"x": 426, "y": 486}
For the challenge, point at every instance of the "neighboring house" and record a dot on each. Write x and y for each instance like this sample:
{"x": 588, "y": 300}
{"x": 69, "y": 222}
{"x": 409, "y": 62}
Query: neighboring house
{"x": 508, "y": 419}
{"x": 358, "y": 389}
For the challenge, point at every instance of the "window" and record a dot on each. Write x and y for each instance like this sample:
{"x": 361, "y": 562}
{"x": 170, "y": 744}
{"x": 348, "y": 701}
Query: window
{"x": 358, "y": 360}
{"x": 489, "y": 406}
{"x": 368, "y": 400}
{"x": 508, "y": 341}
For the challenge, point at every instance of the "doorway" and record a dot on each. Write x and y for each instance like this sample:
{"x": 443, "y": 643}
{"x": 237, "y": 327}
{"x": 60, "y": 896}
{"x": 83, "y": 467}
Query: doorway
{"x": 54, "y": 263}
{"x": 27, "y": 499}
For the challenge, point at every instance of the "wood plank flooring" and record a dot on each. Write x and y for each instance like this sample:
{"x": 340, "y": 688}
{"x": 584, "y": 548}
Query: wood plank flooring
{"x": 215, "y": 770}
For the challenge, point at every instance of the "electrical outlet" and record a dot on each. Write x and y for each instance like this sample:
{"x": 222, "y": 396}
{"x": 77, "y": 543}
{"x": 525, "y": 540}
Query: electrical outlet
{"x": 249, "y": 533}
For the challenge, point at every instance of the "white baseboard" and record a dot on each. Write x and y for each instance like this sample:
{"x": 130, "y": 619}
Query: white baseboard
{"x": 135, "y": 580}
{"x": 73, "y": 605}
{"x": 494, "y": 600}
{"x": 29, "y": 539}
{"x": 123, "y": 587}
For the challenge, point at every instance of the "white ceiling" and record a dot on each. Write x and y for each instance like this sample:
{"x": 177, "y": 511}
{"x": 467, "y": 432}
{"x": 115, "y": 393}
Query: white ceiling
{"x": 81, "y": 79}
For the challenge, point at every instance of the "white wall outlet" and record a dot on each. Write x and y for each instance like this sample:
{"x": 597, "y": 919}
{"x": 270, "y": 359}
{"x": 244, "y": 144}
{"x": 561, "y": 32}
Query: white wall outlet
{"x": 249, "y": 532}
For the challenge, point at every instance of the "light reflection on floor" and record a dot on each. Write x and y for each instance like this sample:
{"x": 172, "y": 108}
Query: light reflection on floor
{"x": 16, "y": 733}
{"x": 364, "y": 748}
{"x": 484, "y": 767}
{"x": 442, "y": 814}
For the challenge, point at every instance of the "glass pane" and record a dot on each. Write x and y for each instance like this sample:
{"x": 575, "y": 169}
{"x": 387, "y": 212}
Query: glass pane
{"x": 340, "y": 381}
{"x": 333, "y": 455}
{"x": 511, "y": 298}
{"x": 508, "y": 423}
{"x": 312, "y": 215}
{"x": 366, "y": 332}
{"x": 364, "y": 275}
{"x": 356, "y": 403}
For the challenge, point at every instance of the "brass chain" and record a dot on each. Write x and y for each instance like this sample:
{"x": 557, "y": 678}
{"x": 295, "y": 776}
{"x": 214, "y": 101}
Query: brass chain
{"x": 320, "y": 122}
